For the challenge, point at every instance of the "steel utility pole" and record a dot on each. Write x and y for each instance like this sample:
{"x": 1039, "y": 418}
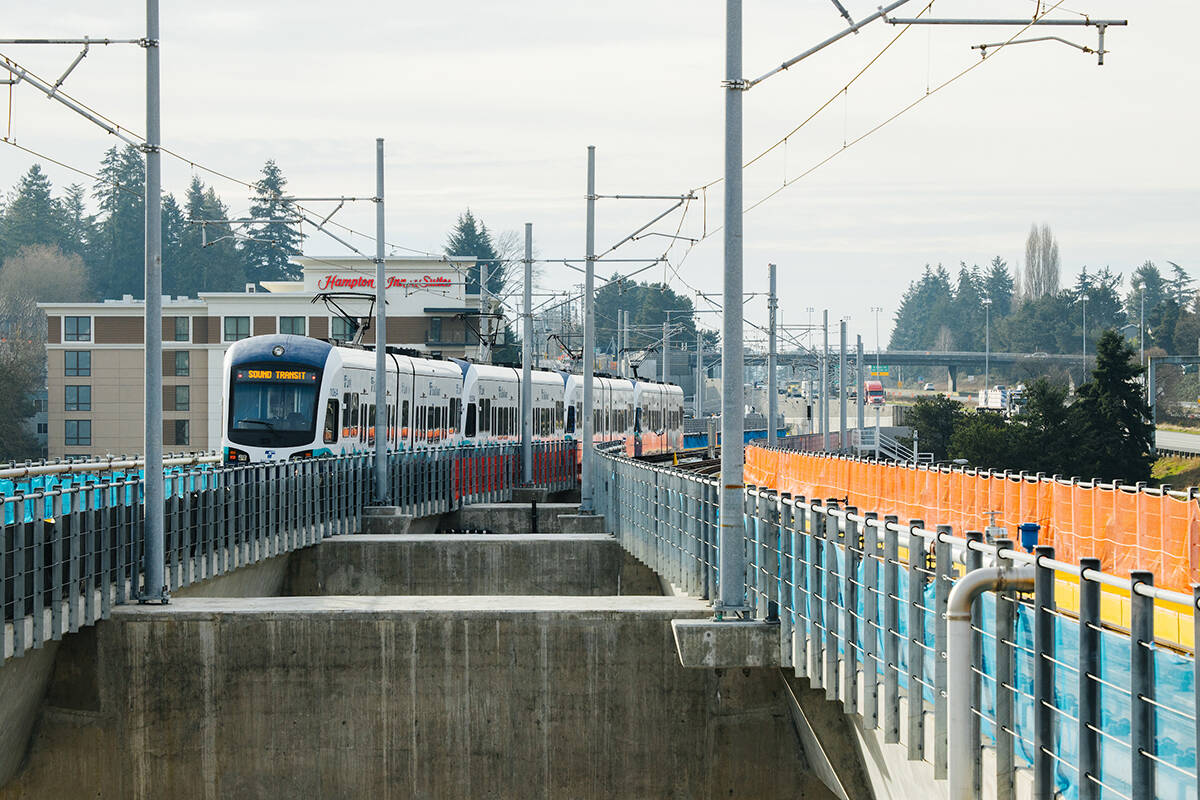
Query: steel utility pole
{"x": 861, "y": 383}
{"x": 987, "y": 342}
{"x": 842, "y": 390}
{"x": 484, "y": 312}
{"x": 666, "y": 349}
{"x": 586, "y": 504}
{"x": 772, "y": 360}
{"x": 381, "y": 420}
{"x": 699, "y": 374}
{"x": 155, "y": 589}
{"x": 825, "y": 381}
{"x": 732, "y": 553}
{"x": 526, "y": 364}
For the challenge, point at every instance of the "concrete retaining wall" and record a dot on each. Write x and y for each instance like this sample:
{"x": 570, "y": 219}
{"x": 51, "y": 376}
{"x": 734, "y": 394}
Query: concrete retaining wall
{"x": 388, "y": 697}
{"x": 461, "y": 564}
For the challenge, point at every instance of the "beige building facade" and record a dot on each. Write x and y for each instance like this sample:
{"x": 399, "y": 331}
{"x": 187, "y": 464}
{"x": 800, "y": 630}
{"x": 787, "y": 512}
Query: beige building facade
{"x": 96, "y": 356}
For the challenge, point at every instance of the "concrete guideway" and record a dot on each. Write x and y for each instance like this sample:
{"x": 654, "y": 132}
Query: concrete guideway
{"x": 501, "y": 664}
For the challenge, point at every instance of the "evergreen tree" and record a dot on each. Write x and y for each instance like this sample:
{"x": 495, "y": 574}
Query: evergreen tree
{"x": 985, "y": 439}
{"x": 272, "y": 244}
{"x": 80, "y": 226}
{"x": 173, "y": 227}
{"x": 32, "y": 216}
{"x": 968, "y": 319}
{"x": 1110, "y": 420}
{"x": 209, "y": 261}
{"x": 470, "y": 237}
{"x": 999, "y": 287}
{"x": 1147, "y": 283}
{"x": 935, "y": 419}
{"x": 119, "y": 263}
{"x": 1179, "y": 285}
{"x": 925, "y": 306}
{"x": 1044, "y": 430}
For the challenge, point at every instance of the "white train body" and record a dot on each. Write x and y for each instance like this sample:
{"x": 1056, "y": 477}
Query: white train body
{"x": 294, "y": 397}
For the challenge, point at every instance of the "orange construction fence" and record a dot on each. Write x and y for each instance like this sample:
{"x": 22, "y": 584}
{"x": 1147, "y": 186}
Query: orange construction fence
{"x": 1124, "y": 527}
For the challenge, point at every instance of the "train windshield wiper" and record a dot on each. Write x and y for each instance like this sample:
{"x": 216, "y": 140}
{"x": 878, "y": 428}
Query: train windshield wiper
{"x": 262, "y": 422}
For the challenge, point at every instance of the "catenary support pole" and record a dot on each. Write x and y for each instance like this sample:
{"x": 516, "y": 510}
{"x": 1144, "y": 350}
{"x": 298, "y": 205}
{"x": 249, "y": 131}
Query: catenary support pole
{"x": 155, "y": 589}
{"x": 586, "y": 476}
{"x": 527, "y": 364}
{"x": 666, "y": 350}
{"x": 842, "y": 389}
{"x": 699, "y": 374}
{"x": 825, "y": 381}
{"x": 381, "y": 415}
{"x": 772, "y": 359}
{"x": 859, "y": 393}
{"x": 485, "y": 310}
{"x": 732, "y": 552}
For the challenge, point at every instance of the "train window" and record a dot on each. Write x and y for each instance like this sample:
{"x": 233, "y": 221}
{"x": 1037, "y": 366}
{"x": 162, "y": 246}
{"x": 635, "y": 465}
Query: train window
{"x": 470, "y": 429}
{"x": 346, "y": 410}
{"x": 404, "y": 414}
{"x": 570, "y": 419}
{"x": 353, "y": 411}
{"x": 331, "y": 422}
{"x": 370, "y": 423}
{"x": 558, "y": 412}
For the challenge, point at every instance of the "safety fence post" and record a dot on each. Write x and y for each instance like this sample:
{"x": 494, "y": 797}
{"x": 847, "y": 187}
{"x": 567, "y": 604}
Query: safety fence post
{"x": 1088, "y": 687}
{"x": 943, "y": 577}
{"x": 1043, "y": 676}
{"x": 916, "y": 641}
{"x": 850, "y": 583}
{"x": 870, "y": 621}
{"x": 973, "y": 560}
{"x": 831, "y": 598}
{"x": 816, "y": 608}
{"x": 1141, "y": 685}
{"x": 786, "y": 597}
{"x": 891, "y": 630}
{"x": 1006, "y": 618}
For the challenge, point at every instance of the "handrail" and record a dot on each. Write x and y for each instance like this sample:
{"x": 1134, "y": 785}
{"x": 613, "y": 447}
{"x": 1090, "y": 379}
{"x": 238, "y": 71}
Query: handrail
{"x": 100, "y": 465}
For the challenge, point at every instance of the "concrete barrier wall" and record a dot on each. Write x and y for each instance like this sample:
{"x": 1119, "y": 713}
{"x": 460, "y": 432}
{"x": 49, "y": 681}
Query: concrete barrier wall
{"x": 462, "y": 564}
{"x": 388, "y": 697}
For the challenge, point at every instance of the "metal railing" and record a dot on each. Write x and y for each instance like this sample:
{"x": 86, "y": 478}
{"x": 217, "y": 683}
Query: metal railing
{"x": 70, "y": 552}
{"x": 1083, "y": 707}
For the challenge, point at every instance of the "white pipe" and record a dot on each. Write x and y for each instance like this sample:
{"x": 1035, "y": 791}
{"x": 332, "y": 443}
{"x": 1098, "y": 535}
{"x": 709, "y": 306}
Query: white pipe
{"x": 958, "y": 664}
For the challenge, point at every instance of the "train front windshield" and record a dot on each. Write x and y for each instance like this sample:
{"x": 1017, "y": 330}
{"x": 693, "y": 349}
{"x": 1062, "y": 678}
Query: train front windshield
{"x": 273, "y": 406}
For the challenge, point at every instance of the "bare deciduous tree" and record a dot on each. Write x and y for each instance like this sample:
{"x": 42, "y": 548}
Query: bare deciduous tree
{"x": 1041, "y": 263}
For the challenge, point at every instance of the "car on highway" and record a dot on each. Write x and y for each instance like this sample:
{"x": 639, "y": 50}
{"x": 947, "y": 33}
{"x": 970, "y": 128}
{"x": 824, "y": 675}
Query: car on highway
{"x": 929, "y": 387}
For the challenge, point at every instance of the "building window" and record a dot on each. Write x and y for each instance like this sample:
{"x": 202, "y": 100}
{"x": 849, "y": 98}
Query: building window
{"x": 43, "y": 428}
{"x": 292, "y": 325}
{"x": 183, "y": 329}
{"x": 79, "y": 432}
{"x": 183, "y": 399}
{"x": 341, "y": 330}
{"x": 77, "y": 329}
{"x": 183, "y": 363}
{"x": 435, "y": 329}
{"x": 237, "y": 328}
{"x": 77, "y": 364}
{"x": 182, "y": 434}
{"x": 79, "y": 398}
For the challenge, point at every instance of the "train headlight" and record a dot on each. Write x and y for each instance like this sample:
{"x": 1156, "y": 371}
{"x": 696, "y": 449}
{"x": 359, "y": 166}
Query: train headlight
{"x": 277, "y": 350}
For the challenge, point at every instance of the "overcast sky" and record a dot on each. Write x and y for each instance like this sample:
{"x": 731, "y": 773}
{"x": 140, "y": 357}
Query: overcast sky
{"x": 492, "y": 106}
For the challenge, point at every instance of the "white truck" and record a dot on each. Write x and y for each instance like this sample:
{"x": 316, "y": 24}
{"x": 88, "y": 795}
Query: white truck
{"x": 1001, "y": 398}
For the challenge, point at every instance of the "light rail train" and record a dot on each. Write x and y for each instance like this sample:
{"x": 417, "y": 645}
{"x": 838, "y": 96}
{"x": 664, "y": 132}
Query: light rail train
{"x": 294, "y": 397}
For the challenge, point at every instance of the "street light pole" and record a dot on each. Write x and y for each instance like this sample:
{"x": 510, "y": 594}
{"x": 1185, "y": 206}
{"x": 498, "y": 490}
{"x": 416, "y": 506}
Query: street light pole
{"x": 876, "y": 310}
{"x": 987, "y": 341}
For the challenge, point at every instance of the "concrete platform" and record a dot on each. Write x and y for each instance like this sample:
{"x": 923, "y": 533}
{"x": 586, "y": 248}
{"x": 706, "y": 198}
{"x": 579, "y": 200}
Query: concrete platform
{"x": 407, "y": 697}
{"x": 728, "y": 644}
{"x": 459, "y": 564}
{"x": 516, "y": 518}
